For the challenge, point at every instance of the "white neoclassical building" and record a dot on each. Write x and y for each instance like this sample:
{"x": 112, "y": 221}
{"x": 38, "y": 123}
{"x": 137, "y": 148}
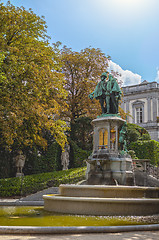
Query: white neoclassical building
{"x": 142, "y": 103}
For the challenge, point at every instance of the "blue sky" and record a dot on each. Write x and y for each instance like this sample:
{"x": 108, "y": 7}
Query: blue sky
{"x": 127, "y": 30}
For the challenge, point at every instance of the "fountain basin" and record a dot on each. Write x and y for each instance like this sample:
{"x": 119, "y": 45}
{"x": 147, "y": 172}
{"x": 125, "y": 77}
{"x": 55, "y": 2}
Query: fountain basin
{"x": 102, "y": 206}
{"x": 38, "y": 217}
{"x": 103, "y": 191}
{"x": 104, "y": 200}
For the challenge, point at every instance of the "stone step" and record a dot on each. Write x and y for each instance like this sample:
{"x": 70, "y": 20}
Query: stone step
{"x": 101, "y": 206}
{"x": 103, "y": 191}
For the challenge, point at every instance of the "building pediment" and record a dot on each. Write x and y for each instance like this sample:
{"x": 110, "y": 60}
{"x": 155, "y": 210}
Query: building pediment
{"x": 138, "y": 102}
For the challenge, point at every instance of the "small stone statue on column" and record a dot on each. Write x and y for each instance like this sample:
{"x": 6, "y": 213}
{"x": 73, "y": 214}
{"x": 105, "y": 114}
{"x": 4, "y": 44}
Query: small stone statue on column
{"x": 122, "y": 138}
{"x": 19, "y": 162}
{"x": 65, "y": 157}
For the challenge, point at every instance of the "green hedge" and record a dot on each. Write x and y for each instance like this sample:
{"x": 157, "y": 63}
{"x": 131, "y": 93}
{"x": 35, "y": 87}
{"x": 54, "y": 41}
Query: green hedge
{"x": 77, "y": 155}
{"x": 11, "y": 187}
{"x": 50, "y": 160}
{"x": 41, "y": 161}
{"x": 146, "y": 150}
{"x": 136, "y": 133}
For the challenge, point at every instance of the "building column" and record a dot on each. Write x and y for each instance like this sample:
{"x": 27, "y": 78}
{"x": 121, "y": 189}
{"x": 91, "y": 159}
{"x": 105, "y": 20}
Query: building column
{"x": 133, "y": 114}
{"x": 154, "y": 101}
{"x": 149, "y": 109}
{"x": 127, "y": 108}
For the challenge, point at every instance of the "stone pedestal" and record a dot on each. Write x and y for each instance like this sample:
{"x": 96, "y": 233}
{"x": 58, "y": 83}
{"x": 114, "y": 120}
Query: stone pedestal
{"x": 108, "y": 164}
{"x": 19, "y": 174}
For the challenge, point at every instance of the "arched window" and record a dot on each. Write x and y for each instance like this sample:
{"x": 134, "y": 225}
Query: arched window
{"x": 103, "y": 138}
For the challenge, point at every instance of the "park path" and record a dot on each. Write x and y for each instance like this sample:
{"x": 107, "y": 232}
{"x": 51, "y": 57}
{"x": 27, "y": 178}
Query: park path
{"x": 146, "y": 235}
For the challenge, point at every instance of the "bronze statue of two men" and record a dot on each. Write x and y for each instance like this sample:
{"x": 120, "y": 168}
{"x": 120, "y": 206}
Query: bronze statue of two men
{"x": 108, "y": 92}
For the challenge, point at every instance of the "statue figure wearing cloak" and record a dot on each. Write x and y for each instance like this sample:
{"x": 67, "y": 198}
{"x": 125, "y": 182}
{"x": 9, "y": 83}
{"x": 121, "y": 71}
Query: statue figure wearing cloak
{"x": 108, "y": 93}
{"x": 115, "y": 94}
{"x": 100, "y": 91}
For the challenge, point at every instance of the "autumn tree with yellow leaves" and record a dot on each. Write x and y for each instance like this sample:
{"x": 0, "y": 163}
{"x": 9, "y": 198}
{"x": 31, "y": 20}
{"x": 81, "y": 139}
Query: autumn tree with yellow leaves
{"x": 31, "y": 83}
{"x": 82, "y": 72}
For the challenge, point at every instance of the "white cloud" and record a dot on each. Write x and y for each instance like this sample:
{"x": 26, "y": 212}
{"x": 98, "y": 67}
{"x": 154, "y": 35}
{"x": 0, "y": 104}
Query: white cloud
{"x": 157, "y": 77}
{"x": 128, "y": 78}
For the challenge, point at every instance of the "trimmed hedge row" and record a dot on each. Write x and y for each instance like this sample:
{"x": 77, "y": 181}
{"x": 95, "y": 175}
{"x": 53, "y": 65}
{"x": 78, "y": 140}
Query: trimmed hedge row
{"x": 40, "y": 161}
{"x": 146, "y": 150}
{"x": 77, "y": 155}
{"x": 48, "y": 161}
{"x": 11, "y": 187}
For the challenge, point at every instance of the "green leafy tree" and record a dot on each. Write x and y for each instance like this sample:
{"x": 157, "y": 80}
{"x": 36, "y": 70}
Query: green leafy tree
{"x": 147, "y": 150}
{"x": 82, "y": 133}
{"x": 2, "y": 75}
{"x": 31, "y": 82}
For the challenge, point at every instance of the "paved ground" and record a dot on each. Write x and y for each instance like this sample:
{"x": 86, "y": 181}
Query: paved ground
{"x": 39, "y": 195}
{"x": 106, "y": 236}
{"x": 33, "y": 199}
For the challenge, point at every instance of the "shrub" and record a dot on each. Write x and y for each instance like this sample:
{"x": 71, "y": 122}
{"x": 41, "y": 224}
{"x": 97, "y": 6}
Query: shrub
{"x": 81, "y": 132}
{"x": 146, "y": 150}
{"x": 6, "y": 163}
{"x": 132, "y": 135}
{"x": 26, "y": 185}
{"x": 77, "y": 155}
{"x": 136, "y": 133}
{"x": 41, "y": 161}
{"x": 145, "y": 137}
{"x": 132, "y": 154}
